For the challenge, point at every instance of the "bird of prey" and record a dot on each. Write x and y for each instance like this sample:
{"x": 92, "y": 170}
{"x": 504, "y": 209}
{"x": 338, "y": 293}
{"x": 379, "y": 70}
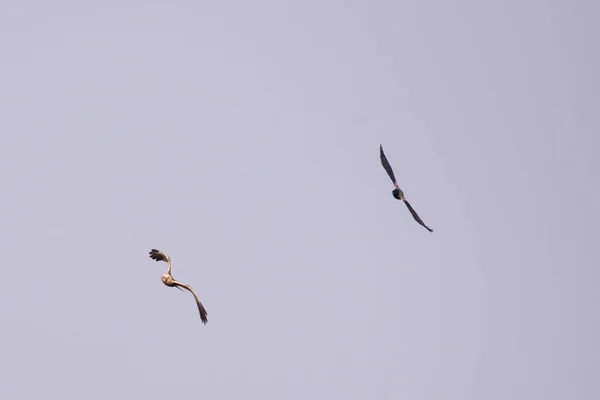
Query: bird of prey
{"x": 397, "y": 192}
{"x": 168, "y": 280}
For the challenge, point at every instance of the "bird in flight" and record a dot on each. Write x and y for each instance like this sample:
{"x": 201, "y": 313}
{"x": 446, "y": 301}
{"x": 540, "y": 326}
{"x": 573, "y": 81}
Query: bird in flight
{"x": 397, "y": 192}
{"x": 168, "y": 280}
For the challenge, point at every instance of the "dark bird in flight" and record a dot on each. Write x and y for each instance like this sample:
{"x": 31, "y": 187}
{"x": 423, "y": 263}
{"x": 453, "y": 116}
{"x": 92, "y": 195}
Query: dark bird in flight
{"x": 168, "y": 280}
{"x": 397, "y": 192}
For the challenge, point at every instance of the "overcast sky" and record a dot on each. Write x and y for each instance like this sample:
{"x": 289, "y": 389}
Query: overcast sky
{"x": 242, "y": 138}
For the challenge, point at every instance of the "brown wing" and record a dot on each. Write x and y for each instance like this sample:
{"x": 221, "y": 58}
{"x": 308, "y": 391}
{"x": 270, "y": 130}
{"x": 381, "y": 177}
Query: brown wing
{"x": 159, "y": 255}
{"x": 416, "y": 216}
{"x": 387, "y": 166}
{"x": 201, "y": 308}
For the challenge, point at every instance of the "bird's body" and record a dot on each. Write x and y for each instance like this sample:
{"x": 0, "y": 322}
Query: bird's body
{"x": 397, "y": 192}
{"x": 168, "y": 280}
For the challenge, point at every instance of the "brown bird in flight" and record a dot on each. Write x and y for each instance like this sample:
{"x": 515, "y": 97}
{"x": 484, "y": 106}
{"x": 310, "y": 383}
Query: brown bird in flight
{"x": 168, "y": 280}
{"x": 397, "y": 192}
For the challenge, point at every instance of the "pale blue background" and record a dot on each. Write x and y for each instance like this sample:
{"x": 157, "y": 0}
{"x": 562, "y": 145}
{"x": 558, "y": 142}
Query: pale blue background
{"x": 242, "y": 139}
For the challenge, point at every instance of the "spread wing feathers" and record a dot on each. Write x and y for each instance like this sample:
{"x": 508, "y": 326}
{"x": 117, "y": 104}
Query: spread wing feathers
{"x": 386, "y": 165}
{"x": 201, "y": 308}
{"x": 159, "y": 255}
{"x": 416, "y": 216}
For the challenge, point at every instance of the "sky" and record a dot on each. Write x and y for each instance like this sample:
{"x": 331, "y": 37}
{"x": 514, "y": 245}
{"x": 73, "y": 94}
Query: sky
{"x": 242, "y": 138}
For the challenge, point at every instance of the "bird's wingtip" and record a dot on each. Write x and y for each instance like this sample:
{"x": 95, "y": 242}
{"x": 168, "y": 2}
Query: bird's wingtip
{"x": 157, "y": 255}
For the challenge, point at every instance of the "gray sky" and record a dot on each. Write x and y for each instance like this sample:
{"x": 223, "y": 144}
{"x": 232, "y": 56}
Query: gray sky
{"x": 242, "y": 139}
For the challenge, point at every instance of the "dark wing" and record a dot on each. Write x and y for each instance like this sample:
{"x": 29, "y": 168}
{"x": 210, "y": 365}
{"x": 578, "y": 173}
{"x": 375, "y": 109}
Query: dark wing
{"x": 416, "y": 216}
{"x": 386, "y": 165}
{"x": 201, "y": 308}
{"x": 158, "y": 255}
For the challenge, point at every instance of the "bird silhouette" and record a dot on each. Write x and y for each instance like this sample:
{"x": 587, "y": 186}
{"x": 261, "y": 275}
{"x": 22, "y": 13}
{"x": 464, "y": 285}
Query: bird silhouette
{"x": 168, "y": 280}
{"x": 397, "y": 192}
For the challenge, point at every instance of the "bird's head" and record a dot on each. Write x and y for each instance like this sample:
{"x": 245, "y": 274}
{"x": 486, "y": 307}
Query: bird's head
{"x": 396, "y": 194}
{"x": 167, "y": 279}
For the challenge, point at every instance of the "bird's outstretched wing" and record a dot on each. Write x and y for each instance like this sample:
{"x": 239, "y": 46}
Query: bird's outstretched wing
{"x": 201, "y": 308}
{"x": 159, "y": 256}
{"x": 387, "y": 166}
{"x": 416, "y": 216}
